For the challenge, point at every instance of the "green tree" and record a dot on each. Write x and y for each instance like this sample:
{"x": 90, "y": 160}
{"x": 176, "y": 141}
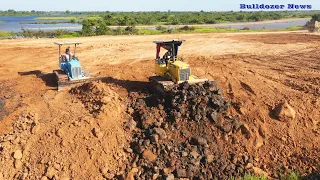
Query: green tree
{"x": 67, "y": 12}
{"x": 316, "y": 17}
{"x": 173, "y": 20}
{"x": 87, "y": 29}
{"x": 102, "y": 28}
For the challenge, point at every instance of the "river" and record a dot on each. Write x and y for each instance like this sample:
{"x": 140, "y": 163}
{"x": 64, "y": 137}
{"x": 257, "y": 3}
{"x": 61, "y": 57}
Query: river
{"x": 12, "y": 24}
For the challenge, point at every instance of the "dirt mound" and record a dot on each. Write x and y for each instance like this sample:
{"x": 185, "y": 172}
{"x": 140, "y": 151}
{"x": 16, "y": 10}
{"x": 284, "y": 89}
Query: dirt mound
{"x": 71, "y": 143}
{"x": 14, "y": 145}
{"x": 187, "y": 133}
{"x": 96, "y": 97}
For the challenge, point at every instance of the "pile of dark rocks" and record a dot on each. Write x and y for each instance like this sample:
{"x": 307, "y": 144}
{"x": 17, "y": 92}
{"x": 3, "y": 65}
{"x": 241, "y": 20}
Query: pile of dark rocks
{"x": 196, "y": 102}
{"x": 186, "y": 133}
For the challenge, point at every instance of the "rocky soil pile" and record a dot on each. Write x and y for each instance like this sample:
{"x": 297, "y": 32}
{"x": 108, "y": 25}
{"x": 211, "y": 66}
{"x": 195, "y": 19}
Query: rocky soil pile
{"x": 14, "y": 145}
{"x": 95, "y": 96}
{"x": 187, "y": 133}
{"x": 72, "y": 141}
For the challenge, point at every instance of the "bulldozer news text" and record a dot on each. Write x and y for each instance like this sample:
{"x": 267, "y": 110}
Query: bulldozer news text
{"x": 269, "y": 6}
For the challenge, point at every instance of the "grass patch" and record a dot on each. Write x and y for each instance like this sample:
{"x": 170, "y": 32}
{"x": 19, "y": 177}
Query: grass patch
{"x": 249, "y": 177}
{"x": 160, "y": 23}
{"x": 292, "y": 28}
{"x": 182, "y": 30}
{"x": 91, "y": 17}
{"x": 68, "y": 18}
{"x": 293, "y": 175}
{"x": 57, "y": 18}
{"x": 72, "y": 35}
{"x": 148, "y": 32}
{"x": 5, "y": 34}
{"x": 209, "y": 30}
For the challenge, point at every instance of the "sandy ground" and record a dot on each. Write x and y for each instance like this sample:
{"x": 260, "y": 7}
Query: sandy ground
{"x": 256, "y": 71}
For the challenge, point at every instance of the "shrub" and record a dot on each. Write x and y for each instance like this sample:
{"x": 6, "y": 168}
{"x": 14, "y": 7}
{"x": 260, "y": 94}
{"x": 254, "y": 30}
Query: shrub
{"x": 131, "y": 30}
{"x": 187, "y": 28}
{"x": 161, "y": 28}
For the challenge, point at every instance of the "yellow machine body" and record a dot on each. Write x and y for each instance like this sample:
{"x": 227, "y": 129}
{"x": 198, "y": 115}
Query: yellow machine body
{"x": 169, "y": 69}
{"x": 176, "y": 71}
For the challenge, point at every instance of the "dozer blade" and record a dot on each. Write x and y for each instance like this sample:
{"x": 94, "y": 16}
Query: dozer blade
{"x": 64, "y": 82}
{"x": 160, "y": 84}
{"x": 195, "y": 80}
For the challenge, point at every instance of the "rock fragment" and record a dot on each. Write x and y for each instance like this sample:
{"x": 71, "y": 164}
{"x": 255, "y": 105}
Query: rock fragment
{"x": 181, "y": 173}
{"x": 170, "y": 177}
{"x": 17, "y": 164}
{"x": 44, "y": 178}
{"x": 51, "y": 172}
{"x": 162, "y": 133}
{"x": 148, "y": 155}
{"x": 284, "y": 112}
{"x": 17, "y": 154}
{"x": 97, "y": 133}
{"x": 259, "y": 172}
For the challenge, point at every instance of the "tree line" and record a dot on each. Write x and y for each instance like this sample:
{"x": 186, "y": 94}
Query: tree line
{"x": 174, "y": 18}
{"x": 171, "y": 17}
{"x": 99, "y": 26}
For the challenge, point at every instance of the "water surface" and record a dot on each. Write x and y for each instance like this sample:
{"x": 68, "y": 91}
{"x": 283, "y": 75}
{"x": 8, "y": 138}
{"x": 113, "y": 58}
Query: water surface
{"x": 12, "y": 24}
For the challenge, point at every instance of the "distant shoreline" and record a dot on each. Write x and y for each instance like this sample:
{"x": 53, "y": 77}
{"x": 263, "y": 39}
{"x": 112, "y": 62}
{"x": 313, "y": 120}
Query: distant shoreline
{"x": 222, "y": 24}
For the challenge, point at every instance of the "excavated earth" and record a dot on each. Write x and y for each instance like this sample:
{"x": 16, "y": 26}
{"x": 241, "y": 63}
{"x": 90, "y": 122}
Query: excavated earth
{"x": 260, "y": 115}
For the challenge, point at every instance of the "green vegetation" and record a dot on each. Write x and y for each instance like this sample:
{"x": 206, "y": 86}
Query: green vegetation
{"x": 249, "y": 177}
{"x": 5, "y": 34}
{"x": 105, "y": 30}
{"x": 90, "y": 29}
{"x": 46, "y": 34}
{"x": 174, "y": 18}
{"x": 149, "y": 32}
{"x": 71, "y": 35}
{"x": 70, "y": 18}
{"x": 42, "y": 22}
{"x": 72, "y": 21}
{"x": 292, "y": 28}
{"x": 316, "y": 17}
{"x": 12, "y": 12}
{"x": 290, "y": 176}
{"x": 60, "y": 18}
{"x": 161, "y": 18}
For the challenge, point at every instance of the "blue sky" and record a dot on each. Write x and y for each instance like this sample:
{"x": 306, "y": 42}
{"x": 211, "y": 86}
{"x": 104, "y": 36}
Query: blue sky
{"x": 142, "y": 5}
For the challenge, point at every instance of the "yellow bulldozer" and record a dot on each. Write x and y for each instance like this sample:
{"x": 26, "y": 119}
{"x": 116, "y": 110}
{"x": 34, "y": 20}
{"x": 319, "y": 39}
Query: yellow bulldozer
{"x": 169, "y": 69}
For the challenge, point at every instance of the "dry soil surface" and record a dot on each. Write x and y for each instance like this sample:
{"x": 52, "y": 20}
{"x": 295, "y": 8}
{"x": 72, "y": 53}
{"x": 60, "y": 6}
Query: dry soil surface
{"x": 50, "y": 134}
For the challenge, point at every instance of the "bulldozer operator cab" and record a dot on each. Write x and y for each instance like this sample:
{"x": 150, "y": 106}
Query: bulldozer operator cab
{"x": 169, "y": 65}
{"x": 171, "y": 47}
{"x": 69, "y": 63}
{"x": 67, "y": 55}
